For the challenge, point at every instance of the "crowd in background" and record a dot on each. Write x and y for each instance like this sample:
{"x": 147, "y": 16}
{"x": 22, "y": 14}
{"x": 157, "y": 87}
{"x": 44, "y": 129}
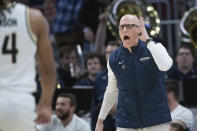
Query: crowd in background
{"x": 82, "y": 43}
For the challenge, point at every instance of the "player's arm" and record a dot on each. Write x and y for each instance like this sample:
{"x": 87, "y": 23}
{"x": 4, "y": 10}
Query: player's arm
{"x": 110, "y": 98}
{"x": 39, "y": 27}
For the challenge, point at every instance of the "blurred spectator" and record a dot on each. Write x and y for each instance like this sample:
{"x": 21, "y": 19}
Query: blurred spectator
{"x": 181, "y": 8}
{"x": 97, "y": 22}
{"x": 64, "y": 118}
{"x": 49, "y": 12}
{"x": 99, "y": 88}
{"x": 177, "y": 126}
{"x": 178, "y": 112}
{"x": 23, "y": 1}
{"x": 101, "y": 80}
{"x": 92, "y": 8}
{"x": 101, "y": 34}
{"x": 67, "y": 15}
{"x": 35, "y": 3}
{"x": 94, "y": 64}
{"x": 194, "y": 127}
{"x": 69, "y": 70}
{"x": 66, "y": 27}
{"x": 184, "y": 68}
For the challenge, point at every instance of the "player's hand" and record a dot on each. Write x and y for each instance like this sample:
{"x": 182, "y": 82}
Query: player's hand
{"x": 43, "y": 114}
{"x": 99, "y": 126}
{"x": 144, "y": 35}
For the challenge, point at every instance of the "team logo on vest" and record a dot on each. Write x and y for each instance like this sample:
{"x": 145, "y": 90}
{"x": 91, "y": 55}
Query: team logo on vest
{"x": 144, "y": 58}
{"x": 121, "y": 62}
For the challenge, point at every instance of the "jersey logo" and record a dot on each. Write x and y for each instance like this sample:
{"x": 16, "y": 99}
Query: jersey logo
{"x": 7, "y": 22}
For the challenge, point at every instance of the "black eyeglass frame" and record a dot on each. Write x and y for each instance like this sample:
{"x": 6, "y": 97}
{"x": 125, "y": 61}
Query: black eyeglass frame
{"x": 127, "y": 26}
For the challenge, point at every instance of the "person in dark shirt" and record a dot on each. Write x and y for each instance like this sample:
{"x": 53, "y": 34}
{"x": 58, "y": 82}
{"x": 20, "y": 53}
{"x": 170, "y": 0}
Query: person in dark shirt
{"x": 100, "y": 85}
{"x": 184, "y": 68}
{"x": 93, "y": 65}
{"x": 69, "y": 71}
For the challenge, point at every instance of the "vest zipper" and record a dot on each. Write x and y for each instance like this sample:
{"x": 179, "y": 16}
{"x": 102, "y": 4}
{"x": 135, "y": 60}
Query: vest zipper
{"x": 137, "y": 99}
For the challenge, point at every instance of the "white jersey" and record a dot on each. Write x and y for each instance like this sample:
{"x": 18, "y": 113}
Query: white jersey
{"x": 17, "y": 49}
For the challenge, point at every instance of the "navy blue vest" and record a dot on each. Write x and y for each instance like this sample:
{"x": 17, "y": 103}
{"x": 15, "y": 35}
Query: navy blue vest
{"x": 142, "y": 98}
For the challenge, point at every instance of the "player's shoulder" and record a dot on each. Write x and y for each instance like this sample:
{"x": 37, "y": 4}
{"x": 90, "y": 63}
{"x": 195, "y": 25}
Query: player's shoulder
{"x": 37, "y": 20}
{"x": 35, "y": 13}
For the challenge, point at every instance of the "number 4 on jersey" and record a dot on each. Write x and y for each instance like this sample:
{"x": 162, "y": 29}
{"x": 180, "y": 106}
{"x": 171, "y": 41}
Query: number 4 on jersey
{"x": 10, "y": 51}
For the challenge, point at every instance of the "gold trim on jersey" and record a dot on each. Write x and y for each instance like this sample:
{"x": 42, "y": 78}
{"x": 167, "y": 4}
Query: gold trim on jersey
{"x": 31, "y": 34}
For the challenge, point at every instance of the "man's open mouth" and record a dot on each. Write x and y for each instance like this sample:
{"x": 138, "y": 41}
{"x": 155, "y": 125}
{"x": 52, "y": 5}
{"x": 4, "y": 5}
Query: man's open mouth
{"x": 126, "y": 37}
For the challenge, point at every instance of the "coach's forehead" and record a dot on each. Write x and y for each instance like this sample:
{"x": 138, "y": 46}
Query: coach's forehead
{"x": 129, "y": 19}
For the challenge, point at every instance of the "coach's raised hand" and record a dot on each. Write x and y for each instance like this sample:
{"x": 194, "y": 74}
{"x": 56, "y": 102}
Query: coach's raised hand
{"x": 144, "y": 35}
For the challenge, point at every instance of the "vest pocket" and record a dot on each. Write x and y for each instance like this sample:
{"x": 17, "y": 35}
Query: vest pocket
{"x": 145, "y": 62}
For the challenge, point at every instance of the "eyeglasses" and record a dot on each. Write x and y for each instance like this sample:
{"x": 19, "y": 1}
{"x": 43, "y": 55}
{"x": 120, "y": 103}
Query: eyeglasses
{"x": 128, "y": 26}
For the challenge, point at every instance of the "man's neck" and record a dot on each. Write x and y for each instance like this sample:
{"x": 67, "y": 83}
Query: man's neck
{"x": 68, "y": 120}
{"x": 184, "y": 70}
{"x": 91, "y": 77}
{"x": 172, "y": 105}
{"x": 129, "y": 46}
{"x": 66, "y": 68}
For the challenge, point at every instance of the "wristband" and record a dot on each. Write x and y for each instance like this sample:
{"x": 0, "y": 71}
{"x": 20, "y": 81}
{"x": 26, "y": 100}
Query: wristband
{"x": 148, "y": 40}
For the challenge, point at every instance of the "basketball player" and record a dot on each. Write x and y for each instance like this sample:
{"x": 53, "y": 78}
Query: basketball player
{"x": 23, "y": 33}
